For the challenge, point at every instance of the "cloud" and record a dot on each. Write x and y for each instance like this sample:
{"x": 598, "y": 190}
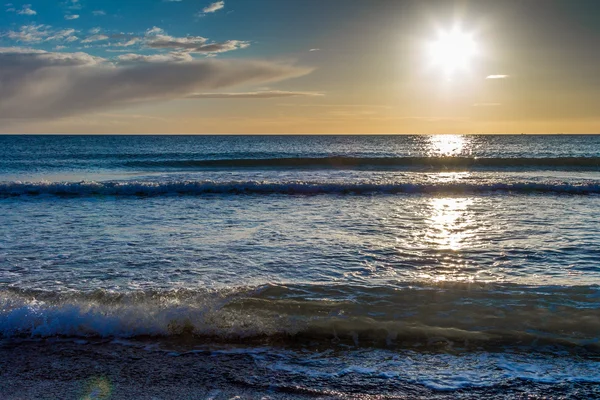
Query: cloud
{"x": 40, "y": 33}
{"x": 26, "y": 10}
{"x": 156, "y": 39}
{"x": 71, "y": 16}
{"x": 95, "y": 38}
{"x": 98, "y": 13}
{"x": 160, "y": 41}
{"x": 195, "y": 44}
{"x": 66, "y": 35}
{"x": 20, "y": 50}
{"x": 124, "y": 40}
{"x": 213, "y": 7}
{"x": 496, "y": 77}
{"x": 128, "y": 43}
{"x": 155, "y": 30}
{"x": 266, "y": 94}
{"x": 39, "y": 84}
{"x": 171, "y": 57}
{"x": 315, "y": 50}
{"x": 29, "y": 33}
{"x": 73, "y": 4}
{"x": 342, "y": 106}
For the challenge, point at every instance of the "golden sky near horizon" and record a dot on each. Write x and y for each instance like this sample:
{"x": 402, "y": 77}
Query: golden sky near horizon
{"x": 352, "y": 67}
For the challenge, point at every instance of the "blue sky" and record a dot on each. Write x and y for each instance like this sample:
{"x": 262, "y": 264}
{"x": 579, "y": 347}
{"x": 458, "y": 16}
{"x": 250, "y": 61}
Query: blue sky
{"x": 297, "y": 66}
{"x": 243, "y": 20}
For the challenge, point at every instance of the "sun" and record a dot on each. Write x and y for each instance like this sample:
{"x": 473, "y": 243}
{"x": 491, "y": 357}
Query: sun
{"x": 453, "y": 51}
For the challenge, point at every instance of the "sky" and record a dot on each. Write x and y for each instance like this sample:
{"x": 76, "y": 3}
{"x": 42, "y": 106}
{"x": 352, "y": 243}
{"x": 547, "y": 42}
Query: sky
{"x": 300, "y": 66}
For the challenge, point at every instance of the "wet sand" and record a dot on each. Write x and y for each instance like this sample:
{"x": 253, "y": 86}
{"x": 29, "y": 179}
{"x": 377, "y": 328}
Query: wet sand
{"x": 67, "y": 370}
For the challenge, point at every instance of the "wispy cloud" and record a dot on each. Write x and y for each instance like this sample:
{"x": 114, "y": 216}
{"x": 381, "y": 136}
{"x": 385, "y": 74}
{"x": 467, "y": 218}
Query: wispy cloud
{"x": 73, "y": 4}
{"x": 98, "y": 13}
{"x": 267, "y": 94}
{"x": 315, "y": 50}
{"x": 193, "y": 46}
{"x": 40, "y": 33}
{"x": 156, "y": 58}
{"x": 155, "y": 30}
{"x": 156, "y": 39}
{"x": 67, "y": 35}
{"x": 130, "y": 42}
{"x": 95, "y": 38}
{"x": 29, "y": 33}
{"x": 26, "y": 10}
{"x": 71, "y": 16}
{"x": 351, "y": 106}
{"x": 213, "y": 7}
{"x": 496, "y": 77}
{"x": 39, "y": 84}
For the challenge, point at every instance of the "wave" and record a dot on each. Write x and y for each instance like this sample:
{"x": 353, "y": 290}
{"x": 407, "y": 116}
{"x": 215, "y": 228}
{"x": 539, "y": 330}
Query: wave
{"x": 343, "y": 162}
{"x": 458, "y": 315}
{"x": 199, "y": 188}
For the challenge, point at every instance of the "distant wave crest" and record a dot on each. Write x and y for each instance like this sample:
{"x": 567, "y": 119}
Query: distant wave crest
{"x": 402, "y": 163}
{"x": 199, "y": 188}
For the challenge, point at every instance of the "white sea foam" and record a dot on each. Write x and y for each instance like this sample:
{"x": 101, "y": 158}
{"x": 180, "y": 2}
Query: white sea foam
{"x": 458, "y": 316}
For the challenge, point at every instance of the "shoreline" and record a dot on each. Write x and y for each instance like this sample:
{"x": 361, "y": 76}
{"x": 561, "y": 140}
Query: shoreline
{"x": 63, "y": 369}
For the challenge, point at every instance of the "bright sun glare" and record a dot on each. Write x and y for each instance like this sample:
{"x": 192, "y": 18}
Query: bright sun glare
{"x": 453, "y": 50}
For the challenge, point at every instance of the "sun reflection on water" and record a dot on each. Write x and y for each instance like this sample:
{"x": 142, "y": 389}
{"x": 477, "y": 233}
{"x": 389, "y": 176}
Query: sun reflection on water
{"x": 449, "y": 232}
{"x": 447, "y": 145}
{"x": 448, "y": 223}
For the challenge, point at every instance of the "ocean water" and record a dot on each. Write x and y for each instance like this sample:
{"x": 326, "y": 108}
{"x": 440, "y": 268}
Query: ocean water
{"x": 444, "y": 266}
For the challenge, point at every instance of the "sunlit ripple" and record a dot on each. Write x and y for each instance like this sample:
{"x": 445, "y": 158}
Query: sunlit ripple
{"x": 448, "y": 177}
{"x": 448, "y": 233}
{"x": 448, "y": 223}
{"x": 447, "y": 145}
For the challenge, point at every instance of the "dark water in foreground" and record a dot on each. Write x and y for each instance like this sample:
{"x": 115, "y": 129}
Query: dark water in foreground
{"x": 292, "y": 267}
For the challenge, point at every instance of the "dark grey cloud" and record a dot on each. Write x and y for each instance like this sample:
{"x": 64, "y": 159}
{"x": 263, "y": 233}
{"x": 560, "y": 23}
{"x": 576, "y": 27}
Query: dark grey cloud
{"x": 37, "y": 84}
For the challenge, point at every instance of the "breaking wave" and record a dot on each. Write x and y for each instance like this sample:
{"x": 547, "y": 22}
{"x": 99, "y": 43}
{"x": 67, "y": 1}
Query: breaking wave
{"x": 198, "y": 188}
{"x": 458, "y": 315}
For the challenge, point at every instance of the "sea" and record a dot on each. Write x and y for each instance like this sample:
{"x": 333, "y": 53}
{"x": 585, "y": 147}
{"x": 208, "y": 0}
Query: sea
{"x": 293, "y": 267}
